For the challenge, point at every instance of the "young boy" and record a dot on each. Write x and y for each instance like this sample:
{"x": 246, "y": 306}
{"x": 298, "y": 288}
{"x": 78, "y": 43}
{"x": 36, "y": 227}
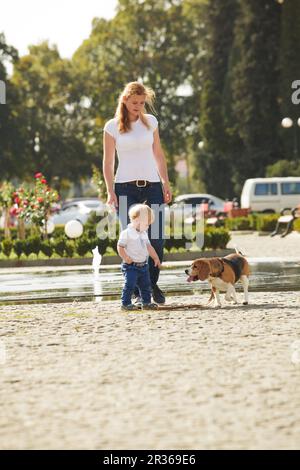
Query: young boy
{"x": 134, "y": 248}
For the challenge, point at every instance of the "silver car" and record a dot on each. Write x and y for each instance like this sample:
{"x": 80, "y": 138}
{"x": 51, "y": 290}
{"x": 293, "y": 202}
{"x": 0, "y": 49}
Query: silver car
{"x": 78, "y": 209}
{"x": 185, "y": 205}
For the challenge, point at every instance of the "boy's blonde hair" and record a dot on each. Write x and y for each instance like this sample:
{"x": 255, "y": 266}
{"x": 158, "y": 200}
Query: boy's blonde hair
{"x": 143, "y": 211}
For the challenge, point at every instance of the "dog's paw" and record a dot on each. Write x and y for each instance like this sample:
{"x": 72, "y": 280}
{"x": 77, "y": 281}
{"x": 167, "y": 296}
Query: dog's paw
{"x": 245, "y": 303}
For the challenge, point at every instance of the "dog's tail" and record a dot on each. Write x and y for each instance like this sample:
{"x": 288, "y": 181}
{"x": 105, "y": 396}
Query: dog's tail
{"x": 238, "y": 251}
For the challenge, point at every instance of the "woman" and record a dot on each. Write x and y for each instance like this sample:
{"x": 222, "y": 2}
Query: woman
{"x": 142, "y": 174}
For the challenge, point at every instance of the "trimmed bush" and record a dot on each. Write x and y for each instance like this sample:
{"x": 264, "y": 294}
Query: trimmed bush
{"x": 216, "y": 238}
{"x": 7, "y": 246}
{"x": 18, "y": 246}
{"x": 101, "y": 244}
{"x": 47, "y": 248}
{"x": 70, "y": 249}
{"x": 239, "y": 223}
{"x": 267, "y": 223}
{"x": 83, "y": 246}
{"x": 59, "y": 246}
{"x": 296, "y": 225}
{"x": 32, "y": 245}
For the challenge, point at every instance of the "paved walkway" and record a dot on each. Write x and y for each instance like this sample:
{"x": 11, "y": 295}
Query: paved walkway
{"x": 86, "y": 376}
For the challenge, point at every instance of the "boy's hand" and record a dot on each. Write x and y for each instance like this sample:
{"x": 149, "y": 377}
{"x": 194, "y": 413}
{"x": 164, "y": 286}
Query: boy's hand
{"x": 157, "y": 262}
{"x": 127, "y": 260}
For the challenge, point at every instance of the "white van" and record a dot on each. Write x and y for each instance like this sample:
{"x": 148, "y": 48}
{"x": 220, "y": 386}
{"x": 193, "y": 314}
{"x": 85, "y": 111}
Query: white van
{"x": 271, "y": 194}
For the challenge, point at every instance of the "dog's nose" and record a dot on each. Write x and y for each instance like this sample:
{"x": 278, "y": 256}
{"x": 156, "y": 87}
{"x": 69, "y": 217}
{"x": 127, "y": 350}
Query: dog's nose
{"x": 186, "y": 272}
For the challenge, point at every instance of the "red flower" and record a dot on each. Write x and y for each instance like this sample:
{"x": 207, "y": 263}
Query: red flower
{"x": 17, "y": 200}
{"x": 40, "y": 199}
{"x": 13, "y": 211}
{"x": 38, "y": 175}
{"x": 44, "y": 181}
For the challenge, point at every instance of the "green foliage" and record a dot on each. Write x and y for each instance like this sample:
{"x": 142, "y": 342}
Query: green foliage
{"x": 289, "y": 72}
{"x": 283, "y": 168}
{"x": 259, "y": 222}
{"x": 176, "y": 243}
{"x": 59, "y": 246}
{"x": 216, "y": 238}
{"x": 238, "y": 223}
{"x": 101, "y": 244}
{"x": 47, "y": 248}
{"x": 296, "y": 225}
{"x": 83, "y": 246}
{"x": 7, "y": 246}
{"x": 32, "y": 245}
{"x": 267, "y": 223}
{"x": 70, "y": 249}
{"x": 18, "y": 246}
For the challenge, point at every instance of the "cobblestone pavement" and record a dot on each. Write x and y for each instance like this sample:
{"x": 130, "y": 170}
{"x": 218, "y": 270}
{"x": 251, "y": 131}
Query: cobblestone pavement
{"x": 254, "y": 245}
{"x": 87, "y": 376}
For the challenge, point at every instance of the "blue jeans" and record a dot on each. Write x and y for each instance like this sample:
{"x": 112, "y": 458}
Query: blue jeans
{"x": 153, "y": 196}
{"x": 136, "y": 276}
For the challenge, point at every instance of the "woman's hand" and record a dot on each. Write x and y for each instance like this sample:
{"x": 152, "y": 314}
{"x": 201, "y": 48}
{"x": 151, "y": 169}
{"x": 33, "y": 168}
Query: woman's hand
{"x": 112, "y": 199}
{"x": 167, "y": 193}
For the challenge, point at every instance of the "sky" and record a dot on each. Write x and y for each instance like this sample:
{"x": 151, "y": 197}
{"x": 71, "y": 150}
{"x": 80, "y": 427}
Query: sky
{"x": 65, "y": 23}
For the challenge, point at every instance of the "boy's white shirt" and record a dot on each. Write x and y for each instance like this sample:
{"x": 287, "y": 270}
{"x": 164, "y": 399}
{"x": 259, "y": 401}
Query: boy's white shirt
{"x": 135, "y": 243}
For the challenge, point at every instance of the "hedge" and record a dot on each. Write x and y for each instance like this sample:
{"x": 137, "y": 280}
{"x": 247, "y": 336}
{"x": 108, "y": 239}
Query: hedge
{"x": 259, "y": 222}
{"x": 64, "y": 247}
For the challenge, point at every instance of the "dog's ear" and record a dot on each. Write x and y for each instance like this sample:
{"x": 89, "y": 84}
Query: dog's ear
{"x": 202, "y": 267}
{"x": 215, "y": 265}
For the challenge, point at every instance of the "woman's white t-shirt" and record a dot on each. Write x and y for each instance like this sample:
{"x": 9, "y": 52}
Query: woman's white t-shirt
{"x": 134, "y": 149}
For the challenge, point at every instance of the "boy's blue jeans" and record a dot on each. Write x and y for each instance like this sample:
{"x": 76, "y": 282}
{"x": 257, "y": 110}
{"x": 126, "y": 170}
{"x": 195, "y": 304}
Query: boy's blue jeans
{"x": 153, "y": 197}
{"x": 136, "y": 276}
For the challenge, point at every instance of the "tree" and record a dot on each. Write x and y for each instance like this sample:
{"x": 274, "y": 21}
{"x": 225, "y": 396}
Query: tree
{"x": 52, "y": 135}
{"x": 254, "y": 84}
{"x": 215, "y": 158}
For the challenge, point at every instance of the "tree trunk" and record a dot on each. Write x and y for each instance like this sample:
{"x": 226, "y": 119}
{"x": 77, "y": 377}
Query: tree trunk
{"x": 6, "y": 223}
{"x": 21, "y": 229}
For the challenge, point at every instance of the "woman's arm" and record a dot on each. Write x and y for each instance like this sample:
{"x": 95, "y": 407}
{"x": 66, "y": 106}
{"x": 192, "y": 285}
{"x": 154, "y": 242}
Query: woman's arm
{"x": 109, "y": 150}
{"x": 161, "y": 166}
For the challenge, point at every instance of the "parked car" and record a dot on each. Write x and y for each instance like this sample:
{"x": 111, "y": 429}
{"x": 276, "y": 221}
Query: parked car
{"x": 270, "y": 195}
{"x": 214, "y": 203}
{"x": 78, "y": 209}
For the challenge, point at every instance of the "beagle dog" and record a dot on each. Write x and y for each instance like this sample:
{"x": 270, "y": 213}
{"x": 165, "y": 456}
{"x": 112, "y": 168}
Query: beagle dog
{"x": 222, "y": 274}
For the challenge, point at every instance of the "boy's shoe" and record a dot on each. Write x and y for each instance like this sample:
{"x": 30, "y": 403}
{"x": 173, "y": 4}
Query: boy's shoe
{"x": 157, "y": 295}
{"x": 131, "y": 307}
{"x": 137, "y": 300}
{"x": 151, "y": 306}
